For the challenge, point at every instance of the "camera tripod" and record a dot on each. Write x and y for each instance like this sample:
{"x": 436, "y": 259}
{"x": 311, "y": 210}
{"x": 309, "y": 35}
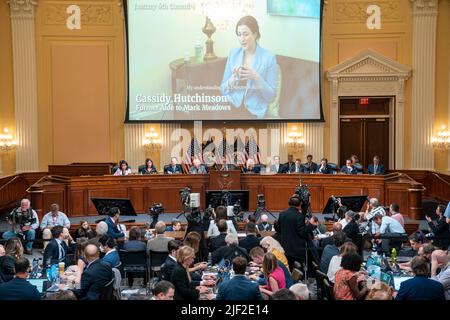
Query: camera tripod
{"x": 260, "y": 210}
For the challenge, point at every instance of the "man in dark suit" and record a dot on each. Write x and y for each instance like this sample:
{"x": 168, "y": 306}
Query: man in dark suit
{"x": 57, "y": 248}
{"x": 239, "y": 287}
{"x": 349, "y": 168}
{"x": 310, "y": 166}
{"x": 277, "y": 167}
{"x": 324, "y": 168}
{"x": 264, "y": 225}
{"x": 420, "y": 287}
{"x": 113, "y": 222}
{"x": 19, "y": 288}
{"x": 293, "y": 232}
{"x": 173, "y": 167}
{"x": 376, "y": 167}
{"x": 297, "y": 167}
{"x": 250, "y": 167}
{"x": 230, "y": 251}
{"x": 219, "y": 241}
{"x": 251, "y": 240}
{"x": 171, "y": 260}
{"x": 290, "y": 163}
{"x": 95, "y": 277}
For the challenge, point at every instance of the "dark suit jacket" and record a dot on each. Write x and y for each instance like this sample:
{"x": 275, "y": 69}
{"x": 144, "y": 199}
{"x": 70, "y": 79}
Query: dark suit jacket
{"x": 168, "y": 169}
{"x": 292, "y": 169}
{"x": 217, "y": 242}
{"x": 167, "y": 268}
{"x": 19, "y": 289}
{"x": 200, "y": 170}
{"x": 265, "y": 227}
{"x": 113, "y": 231}
{"x": 135, "y": 245}
{"x": 256, "y": 169}
{"x": 371, "y": 169}
{"x": 229, "y": 167}
{"x": 249, "y": 242}
{"x": 7, "y": 268}
{"x": 327, "y": 170}
{"x": 96, "y": 276}
{"x": 421, "y": 288}
{"x": 351, "y": 230}
{"x": 328, "y": 252}
{"x": 239, "y": 288}
{"x": 345, "y": 170}
{"x": 310, "y": 167}
{"x": 229, "y": 253}
{"x": 184, "y": 289}
{"x": 281, "y": 168}
{"x": 441, "y": 231}
{"x": 143, "y": 170}
{"x": 51, "y": 252}
{"x": 293, "y": 232}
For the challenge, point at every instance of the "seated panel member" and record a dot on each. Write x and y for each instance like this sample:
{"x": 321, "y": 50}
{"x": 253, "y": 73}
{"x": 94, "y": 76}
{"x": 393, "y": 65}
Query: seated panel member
{"x": 324, "y": 167}
{"x": 173, "y": 167}
{"x": 197, "y": 167}
{"x": 349, "y": 168}
{"x": 277, "y": 167}
{"x": 123, "y": 169}
{"x": 250, "y": 167}
{"x": 148, "y": 167}
{"x": 376, "y": 167}
{"x": 297, "y": 167}
{"x": 309, "y": 165}
{"x": 290, "y": 163}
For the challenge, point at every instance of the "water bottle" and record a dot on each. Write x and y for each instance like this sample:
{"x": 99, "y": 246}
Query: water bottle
{"x": 394, "y": 255}
{"x": 34, "y": 268}
{"x": 374, "y": 251}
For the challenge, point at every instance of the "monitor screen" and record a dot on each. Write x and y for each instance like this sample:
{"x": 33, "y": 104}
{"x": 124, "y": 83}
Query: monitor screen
{"x": 39, "y": 283}
{"x": 266, "y": 66}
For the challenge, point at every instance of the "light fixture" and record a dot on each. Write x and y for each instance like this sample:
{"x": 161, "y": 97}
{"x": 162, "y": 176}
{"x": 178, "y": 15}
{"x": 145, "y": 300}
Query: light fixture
{"x": 7, "y": 142}
{"x": 442, "y": 140}
{"x": 295, "y": 139}
{"x": 221, "y": 14}
{"x": 152, "y": 140}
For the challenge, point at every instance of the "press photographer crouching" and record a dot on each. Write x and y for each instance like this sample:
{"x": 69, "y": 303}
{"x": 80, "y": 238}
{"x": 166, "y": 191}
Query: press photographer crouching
{"x": 24, "y": 222}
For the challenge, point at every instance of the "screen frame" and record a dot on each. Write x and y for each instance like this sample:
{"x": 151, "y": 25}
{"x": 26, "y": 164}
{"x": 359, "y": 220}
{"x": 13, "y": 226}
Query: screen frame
{"x": 127, "y": 74}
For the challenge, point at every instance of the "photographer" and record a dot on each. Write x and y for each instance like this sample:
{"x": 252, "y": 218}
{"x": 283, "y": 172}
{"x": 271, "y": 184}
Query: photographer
{"x": 372, "y": 209}
{"x": 24, "y": 221}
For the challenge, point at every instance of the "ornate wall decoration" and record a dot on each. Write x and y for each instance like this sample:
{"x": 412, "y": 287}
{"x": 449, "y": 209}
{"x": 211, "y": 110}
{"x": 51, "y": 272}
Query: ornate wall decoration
{"x": 355, "y": 11}
{"x": 91, "y": 14}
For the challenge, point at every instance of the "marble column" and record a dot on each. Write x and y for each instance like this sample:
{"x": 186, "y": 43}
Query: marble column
{"x": 277, "y": 134}
{"x": 423, "y": 86}
{"x": 167, "y": 129}
{"x": 134, "y": 148}
{"x": 313, "y": 135}
{"x": 25, "y": 84}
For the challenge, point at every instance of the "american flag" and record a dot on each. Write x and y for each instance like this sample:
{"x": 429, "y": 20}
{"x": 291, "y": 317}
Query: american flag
{"x": 194, "y": 151}
{"x": 224, "y": 151}
{"x": 239, "y": 151}
{"x": 252, "y": 150}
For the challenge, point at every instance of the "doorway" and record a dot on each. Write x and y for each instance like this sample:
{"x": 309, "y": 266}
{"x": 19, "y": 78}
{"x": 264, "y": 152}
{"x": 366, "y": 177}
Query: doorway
{"x": 365, "y": 129}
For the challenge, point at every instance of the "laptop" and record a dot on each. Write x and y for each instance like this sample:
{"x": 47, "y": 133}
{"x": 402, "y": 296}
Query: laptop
{"x": 398, "y": 281}
{"x": 40, "y": 284}
{"x": 386, "y": 278}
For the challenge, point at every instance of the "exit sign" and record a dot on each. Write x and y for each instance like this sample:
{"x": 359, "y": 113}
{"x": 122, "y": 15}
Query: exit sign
{"x": 363, "y": 101}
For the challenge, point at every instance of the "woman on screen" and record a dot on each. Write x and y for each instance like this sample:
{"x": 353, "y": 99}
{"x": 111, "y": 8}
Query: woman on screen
{"x": 251, "y": 74}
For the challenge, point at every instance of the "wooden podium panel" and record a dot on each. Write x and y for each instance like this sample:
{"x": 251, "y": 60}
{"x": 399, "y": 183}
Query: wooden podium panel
{"x": 225, "y": 180}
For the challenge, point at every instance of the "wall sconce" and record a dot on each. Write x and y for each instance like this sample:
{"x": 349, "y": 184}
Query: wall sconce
{"x": 442, "y": 141}
{"x": 7, "y": 142}
{"x": 295, "y": 139}
{"x": 152, "y": 140}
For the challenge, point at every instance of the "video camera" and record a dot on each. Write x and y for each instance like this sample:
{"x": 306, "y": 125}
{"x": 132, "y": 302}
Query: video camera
{"x": 261, "y": 201}
{"x": 237, "y": 211}
{"x": 185, "y": 196}
{"x": 21, "y": 218}
{"x": 155, "y": 210}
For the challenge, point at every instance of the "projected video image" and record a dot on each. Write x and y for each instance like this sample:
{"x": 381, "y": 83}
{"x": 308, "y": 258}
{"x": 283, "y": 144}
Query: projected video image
{"x": 209, "y": 60}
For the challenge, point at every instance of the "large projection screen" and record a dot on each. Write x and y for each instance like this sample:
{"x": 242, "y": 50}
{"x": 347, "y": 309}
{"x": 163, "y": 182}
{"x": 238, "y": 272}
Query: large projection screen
{"x": 270, "y": 75}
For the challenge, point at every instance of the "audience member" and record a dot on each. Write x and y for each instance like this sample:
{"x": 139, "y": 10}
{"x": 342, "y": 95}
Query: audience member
{"x": 420, "y": 287}
{"x": 351, "y": 228}
{"x": 239, "y": 287}
{"x": 19, "y": 288}
{"x": 300, "y": 290}
{"x": 264, "y": 225}
{"x": 164, "y": 290}
{"x": 390, "y": 228}
{"x": 293, "y": 232}
{"x": 271, "y": 245}
{"x": 113, "y": 224}
{"x": 440, "y": 228}
{"x": 331, "y": 250}
{"x": 335, "y": 262}
{"x": 52, "y": 219}
{"x": 349, "y": 283}
{"x": 171, "y": 260}
{"x": 394, "y": 213}
{"x": 84, "y": 231}
{"x": 349, "y": 168}
{"x": 159, "y": 243}
{"x": 218, "y": 241}
{"x": 100, "y": 230}
{"x": 251, "y": 240}
{"x": 440, "y": 260}
{"x": 13, "y": 251}
{"x": 373, "y": 208}
{"x": 257, "y": 256}
{"x": 96, "y": 276}
{"x": 220, "y": 214}
{"x": 283, "y": 294}
{"x": 230, "y": 251}
{"x": 134, "y": 242}
{"x": 108, "y": 247}
{"x": 176, "y": 226}
{"x": 337, "y": 227}
{"x": 274, "y": 275}
{"x": 57, "y": 249}
{"x": 185, "y": 288}
{"x": 193, "y": 240}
